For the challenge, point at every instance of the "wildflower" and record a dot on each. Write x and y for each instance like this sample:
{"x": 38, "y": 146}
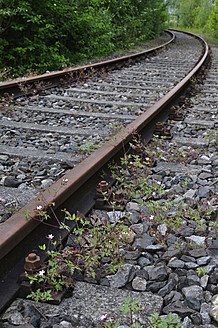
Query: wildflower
{"x": 50, "y": 236}
{"x": 151, "y": 217}
{"x": 65, "y": 180}
{"x": 147, "y": 159}
{"x": 41, "y": 273}
{"x": 103, "y": 317}
{"x": 153, "y": 193}
{"x": 158, "y": 182}
{"x": 39, "y": 208}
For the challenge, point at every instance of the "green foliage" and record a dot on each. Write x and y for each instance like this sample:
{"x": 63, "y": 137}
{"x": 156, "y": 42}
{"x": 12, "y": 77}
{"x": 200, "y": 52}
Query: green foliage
{"x": 45, "y": 35}
{"x": 92, "y": 241}
{"x": 200, "y": 14}
{"x": 165, "y": 321}
{"x": 130, "y": 308}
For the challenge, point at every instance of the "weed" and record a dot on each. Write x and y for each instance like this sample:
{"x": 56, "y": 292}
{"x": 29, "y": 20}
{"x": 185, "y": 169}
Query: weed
{"x": 91, "y": 243}
{"x": 201, "y": 271}
{"x": 133, "y": 309}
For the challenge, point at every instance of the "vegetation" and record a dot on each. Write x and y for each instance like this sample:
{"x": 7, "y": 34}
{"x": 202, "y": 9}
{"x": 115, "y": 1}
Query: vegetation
{"x": 45, "y": 35}
{"x": 199, "y": 14}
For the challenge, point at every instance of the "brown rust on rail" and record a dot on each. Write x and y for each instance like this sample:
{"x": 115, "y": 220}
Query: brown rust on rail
{"x": 17, "y": 227}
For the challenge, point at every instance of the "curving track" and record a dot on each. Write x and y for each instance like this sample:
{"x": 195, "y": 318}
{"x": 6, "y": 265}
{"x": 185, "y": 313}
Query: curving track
{"x": 42, "y": 138}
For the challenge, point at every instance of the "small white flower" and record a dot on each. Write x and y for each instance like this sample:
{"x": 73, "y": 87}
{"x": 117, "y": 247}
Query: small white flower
{"x": 151, "y": 217}
{"x": 39, "y": 208}
{"x": 50, "y": 236}
{"x": 153, "y": 193}
{"x": 41, "y": 273}
{"x": 65, "y": 180}
{"x": 158, "y": 182}
{"x": 103, "y": 317}
{"x": 147, "y": 159}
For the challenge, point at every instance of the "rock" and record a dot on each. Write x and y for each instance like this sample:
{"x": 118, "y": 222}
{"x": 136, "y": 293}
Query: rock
{"x": 194, "y": 291}
{"x": 31, "y": 312}
{"x": 142, "y": 273}
{"x": 193, "y": 303}
{"x": 196, "y": 240}
{"x": 3, "y": 158}
{"x": 132, "y": 255}
{"x": 162, "y": 228}
{"x": 154, "y": 248}
{"x": 193, "y": 280}
{"x": 11, "y": 182}
{"x": 143, "y": 261}
{"x": 214, "y": 308}
{"x": 121, "y": 277}
{"x": 46, "y": 183}
{"x": 154, "y": 287}
{"x": 15, "y": 318}
{"x": 131, "y": 206}
{"x": 142, "y": 243}
{"x": 175, "y": 263}
{"x": 204, "y": 281}
{"x": 129, "y": 236}
{"x": 191, "y": 265}
{"x": 203, "y": 192}
{"x": 171, "y": 252}
{"x": 178, "y": 307}
{"x": 159, "y": 273}
{"x": 203, "y": 260}
{"x": 139, "y": 284}
{"x": 166, "y": 289}
{"x": 198, "y": 252}
{"x": 204, "y": 312}
{"x": 115, "y": 216}
{"x": 196, "y": 318}
{"x": 172, "y": 297}
{"x": 187, "y": 323}
{"x": 65, "y": 324}
{"x": 138, "y": 228}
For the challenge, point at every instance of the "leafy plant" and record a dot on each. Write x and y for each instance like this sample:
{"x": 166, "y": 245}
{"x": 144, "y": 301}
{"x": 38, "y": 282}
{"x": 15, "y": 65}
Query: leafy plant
{"x": 168, "y": 321}
{"x": 133, "y": 308}
{"x": 91, "y": 243}
{"x": 201, "y": 271}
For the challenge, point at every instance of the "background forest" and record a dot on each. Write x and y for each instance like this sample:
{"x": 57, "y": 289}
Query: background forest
{"x": 199, "y": 14}
{"x": 40, "y": 35}
{"x": 45, "y": 34}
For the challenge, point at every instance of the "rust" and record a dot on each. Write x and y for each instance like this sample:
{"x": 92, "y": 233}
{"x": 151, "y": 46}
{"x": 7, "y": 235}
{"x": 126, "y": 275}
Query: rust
{"x": 103, "y": 186}
{"x": 32, "y": 263}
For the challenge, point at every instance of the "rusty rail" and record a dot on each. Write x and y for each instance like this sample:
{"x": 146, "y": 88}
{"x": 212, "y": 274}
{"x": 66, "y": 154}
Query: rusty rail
{"x": 54, "y": 77}
{"x": 17, "y": 227}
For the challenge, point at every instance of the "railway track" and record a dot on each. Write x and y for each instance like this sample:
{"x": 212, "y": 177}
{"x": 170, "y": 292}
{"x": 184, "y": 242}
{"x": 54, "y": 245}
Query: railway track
{"x": 93, "y": 111}
{"x": 55, "y": 128}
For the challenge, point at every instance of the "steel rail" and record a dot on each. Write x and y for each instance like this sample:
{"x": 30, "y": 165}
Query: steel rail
{"x": 56, "y": 76}
{"x": 17, "y": 226}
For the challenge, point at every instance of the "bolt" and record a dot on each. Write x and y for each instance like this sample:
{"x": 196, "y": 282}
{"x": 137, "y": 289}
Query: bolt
{"x": 32, "y": 262}
{"x": 103, "y": 186}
